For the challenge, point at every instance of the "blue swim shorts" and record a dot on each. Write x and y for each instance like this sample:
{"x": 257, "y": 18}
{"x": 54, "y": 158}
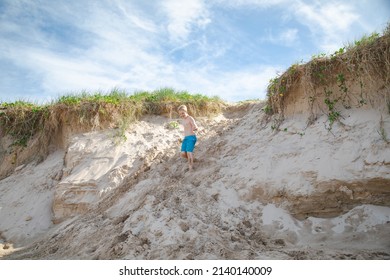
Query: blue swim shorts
{"x": 188, "y": 143}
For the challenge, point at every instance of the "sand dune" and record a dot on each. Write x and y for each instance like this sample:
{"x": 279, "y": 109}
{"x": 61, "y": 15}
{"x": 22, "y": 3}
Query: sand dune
{"x": 299, "y": 192}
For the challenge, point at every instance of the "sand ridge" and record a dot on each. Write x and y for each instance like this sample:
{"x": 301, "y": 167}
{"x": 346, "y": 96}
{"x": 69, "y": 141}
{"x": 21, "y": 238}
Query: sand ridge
{"x": 255, "y": 193}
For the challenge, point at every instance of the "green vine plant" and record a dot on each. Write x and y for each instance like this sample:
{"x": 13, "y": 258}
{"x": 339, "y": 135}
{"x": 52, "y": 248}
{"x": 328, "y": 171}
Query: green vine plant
{"x": 120, "y": 135}
{"x": 276, "y": 128}
{"x": 343, "y": 89}
{"x": 172, "y": 125}
{"x": 333, "y": 115}
{"x": 267, "y": 109}
{"x": 362, "y": 100}
{"x": 358, "y": 64}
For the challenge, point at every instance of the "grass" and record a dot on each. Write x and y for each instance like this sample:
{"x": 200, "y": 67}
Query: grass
{"x": 365, "y": 60}
{"x": 23, "y": 120}
{"x": 117, "y": 96}
{"x": 114, "y": 97}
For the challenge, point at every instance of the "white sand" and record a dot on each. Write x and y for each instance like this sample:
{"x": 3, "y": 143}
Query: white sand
{"x": 241, "y": 201}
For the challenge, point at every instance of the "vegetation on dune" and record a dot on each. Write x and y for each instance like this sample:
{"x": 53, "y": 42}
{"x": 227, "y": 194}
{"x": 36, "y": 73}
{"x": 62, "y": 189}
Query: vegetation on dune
{"x": 325, "y": 78}
{"x": 22, "y": 120}
{"x": 365, "y": 60}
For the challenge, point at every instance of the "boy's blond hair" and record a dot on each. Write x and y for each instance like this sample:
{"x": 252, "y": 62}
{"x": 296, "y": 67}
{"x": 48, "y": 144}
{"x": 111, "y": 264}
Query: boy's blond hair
{"x": 182, "y": 107}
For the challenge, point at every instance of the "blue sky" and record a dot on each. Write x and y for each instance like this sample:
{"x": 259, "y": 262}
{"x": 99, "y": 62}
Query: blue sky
{"x": 228, "y": 48}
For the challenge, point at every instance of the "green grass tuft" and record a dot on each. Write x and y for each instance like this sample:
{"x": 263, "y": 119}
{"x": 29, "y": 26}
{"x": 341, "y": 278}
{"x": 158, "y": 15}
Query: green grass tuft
{"x": 92, "y": 110}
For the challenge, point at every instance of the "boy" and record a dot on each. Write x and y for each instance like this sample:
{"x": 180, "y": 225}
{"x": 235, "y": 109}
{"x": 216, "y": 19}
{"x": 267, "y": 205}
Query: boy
{"x": 188, "y": 144}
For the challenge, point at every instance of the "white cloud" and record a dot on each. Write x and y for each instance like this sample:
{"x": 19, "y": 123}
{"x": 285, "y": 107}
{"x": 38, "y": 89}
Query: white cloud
{"x": 328, "y": 22}
{"x": 138, "y": 18}
{"x": 184, "y": 16}
{"x": 231, "y": 85}
{"x": 329, "y": 18}
{"x": 116, "y": 47}
{"x": 139, "y": 45}
{"x": 286, "y": 37}
{"x": 289, "y": 36}
{"x": 251, "y": 3}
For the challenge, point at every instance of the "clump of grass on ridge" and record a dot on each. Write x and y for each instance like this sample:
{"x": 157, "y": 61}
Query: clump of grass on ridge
{"x": 367, "y": 57}
{"x": 22, "y": 120}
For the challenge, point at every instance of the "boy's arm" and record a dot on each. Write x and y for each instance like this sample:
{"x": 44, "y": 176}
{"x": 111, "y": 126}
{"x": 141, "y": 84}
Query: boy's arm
{"x": 193, "y": 124}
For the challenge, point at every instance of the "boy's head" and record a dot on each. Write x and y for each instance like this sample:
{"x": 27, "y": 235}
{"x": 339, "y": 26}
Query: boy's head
{"x": 182, "y": 110}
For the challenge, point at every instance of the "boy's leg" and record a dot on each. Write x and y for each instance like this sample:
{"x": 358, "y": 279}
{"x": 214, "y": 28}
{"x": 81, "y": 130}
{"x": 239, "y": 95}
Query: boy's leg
{"x": 184, "y": 155}
{"x": 190, "y": 153}
{"x": 190, "y": 160}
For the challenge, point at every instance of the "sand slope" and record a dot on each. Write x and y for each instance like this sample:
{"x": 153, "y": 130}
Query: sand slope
{"x": 302, "y": 192}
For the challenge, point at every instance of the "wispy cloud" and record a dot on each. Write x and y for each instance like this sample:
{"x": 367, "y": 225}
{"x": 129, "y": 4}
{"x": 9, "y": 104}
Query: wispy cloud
{"x": 328, "y": 22}
{"x": 53, "y": 47}
{"x": 252, "y": 3}
{"x": 184, "y": 16}
{"x": 284, "y": 37}
{"x": 138, "y": 18}
{"x": 106, "y": 45}
{"x": 251, "y": 83}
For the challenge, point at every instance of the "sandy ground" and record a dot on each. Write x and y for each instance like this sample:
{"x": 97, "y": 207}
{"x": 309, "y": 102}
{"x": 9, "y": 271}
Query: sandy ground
{"x": 255, "y": 193}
